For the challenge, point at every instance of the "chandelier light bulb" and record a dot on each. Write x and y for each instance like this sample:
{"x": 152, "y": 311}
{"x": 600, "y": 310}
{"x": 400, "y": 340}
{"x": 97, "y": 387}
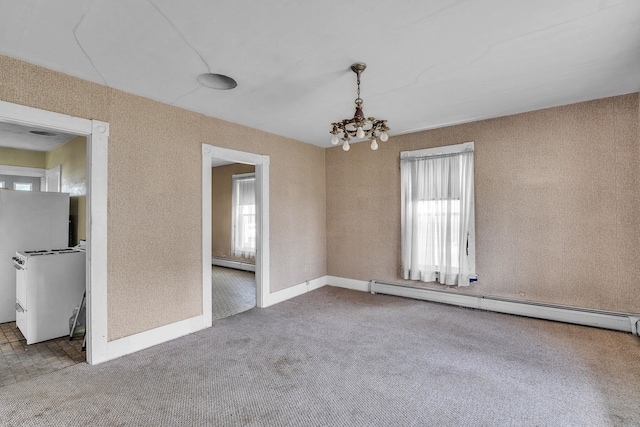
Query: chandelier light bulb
{"x": 360, "y": 132}
{"x": 384, "y": 137}
{"x": 374, "y": 145}
{"x": 346, "y": 146}
{"x": 334, "y": 140}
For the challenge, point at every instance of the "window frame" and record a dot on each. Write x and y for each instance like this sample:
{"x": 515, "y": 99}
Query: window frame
{"x": 443, "y": 150}
{"x": 16, "y": 184}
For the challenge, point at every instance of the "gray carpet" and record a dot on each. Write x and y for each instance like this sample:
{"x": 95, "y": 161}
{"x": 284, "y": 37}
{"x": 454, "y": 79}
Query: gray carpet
{"x": 232, "y": 291}
{"x": 335, "y": 357}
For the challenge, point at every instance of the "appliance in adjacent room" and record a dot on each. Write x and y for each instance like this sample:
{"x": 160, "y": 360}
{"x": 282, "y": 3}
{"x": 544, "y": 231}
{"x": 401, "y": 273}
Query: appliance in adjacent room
{"x": 49, "y": 285}
{"x": 28, "y": 220}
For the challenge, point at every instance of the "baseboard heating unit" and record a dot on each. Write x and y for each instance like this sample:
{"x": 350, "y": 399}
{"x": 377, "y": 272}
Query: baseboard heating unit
{"x": 625, "y": 322}
{"x": 237, "y": 265}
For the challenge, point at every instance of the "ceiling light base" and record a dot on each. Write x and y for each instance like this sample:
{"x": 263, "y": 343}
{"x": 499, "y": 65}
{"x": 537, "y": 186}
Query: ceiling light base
{"x": 358, "y": 67}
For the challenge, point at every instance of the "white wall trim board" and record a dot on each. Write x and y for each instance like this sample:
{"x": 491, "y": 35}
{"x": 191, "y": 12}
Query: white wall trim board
{"x": 140, "y": 341}
{"x": 625, "y": 322}
{"x": 237, "y": 265}
{"x": 296, "y": 290}
{"x": 341, "y": 282}
{"x": 97, "y": 295}
{"x": 22, "y": 171}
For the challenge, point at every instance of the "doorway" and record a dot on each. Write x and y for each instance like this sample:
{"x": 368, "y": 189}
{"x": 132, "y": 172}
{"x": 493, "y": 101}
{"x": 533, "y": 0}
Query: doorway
{"x": 42, "y": 222}
{"x": 210, "y": 157}
{"x": 233, "y": 237}
{"x": 97, "y": 137}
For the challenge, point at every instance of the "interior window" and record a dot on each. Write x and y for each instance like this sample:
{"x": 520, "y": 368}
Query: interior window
{"x": 23, "y": 186}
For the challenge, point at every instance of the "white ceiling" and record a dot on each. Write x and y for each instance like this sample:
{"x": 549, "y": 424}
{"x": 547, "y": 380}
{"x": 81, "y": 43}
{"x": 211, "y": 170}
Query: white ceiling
{"x": 430, "y": 63}
{"x": 16, "y": 136}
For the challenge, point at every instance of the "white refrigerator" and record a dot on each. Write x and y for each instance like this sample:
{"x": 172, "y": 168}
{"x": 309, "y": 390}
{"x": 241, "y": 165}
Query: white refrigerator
{"x": 28, "y": 221}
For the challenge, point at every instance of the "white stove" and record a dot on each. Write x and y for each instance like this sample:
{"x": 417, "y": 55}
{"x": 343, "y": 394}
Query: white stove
{"x": 49, "y": 285}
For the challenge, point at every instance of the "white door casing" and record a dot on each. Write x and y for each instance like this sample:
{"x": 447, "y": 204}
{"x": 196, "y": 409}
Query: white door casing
{"x": 97, "y": 134}
{"x": 53, "y": 179}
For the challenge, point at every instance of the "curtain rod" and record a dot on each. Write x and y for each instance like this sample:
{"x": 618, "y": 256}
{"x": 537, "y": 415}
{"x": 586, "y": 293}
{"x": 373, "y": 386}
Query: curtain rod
{"x": 432, "y": 156}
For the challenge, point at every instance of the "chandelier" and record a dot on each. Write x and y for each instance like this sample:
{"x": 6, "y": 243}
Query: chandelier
{"x": 359, "y": 126}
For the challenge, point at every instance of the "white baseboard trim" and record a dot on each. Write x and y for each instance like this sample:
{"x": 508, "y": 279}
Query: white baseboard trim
{"x": 341, "y": 282}
{"x": 221, "y": 262}
{"x": 131, "y": 344}
{"x": 296, "y": 290}
{"x": 625, "y": 322}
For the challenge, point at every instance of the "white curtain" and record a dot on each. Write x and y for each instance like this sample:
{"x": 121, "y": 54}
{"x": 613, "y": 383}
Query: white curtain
{"x": 437, "y": 200}
{"x": 244, "y": 217}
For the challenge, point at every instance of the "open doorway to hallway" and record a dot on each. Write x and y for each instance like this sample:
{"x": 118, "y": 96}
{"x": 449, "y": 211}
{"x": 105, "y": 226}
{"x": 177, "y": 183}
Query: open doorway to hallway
{"x": 215, "y": 156}
{"x": 233, "y": 237}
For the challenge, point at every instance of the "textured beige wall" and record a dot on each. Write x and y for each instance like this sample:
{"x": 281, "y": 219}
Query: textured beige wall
{"x": 221, "y": 190}
{"x": 557, "y": 198}
{"x": 297, "y": 199}
{"x": 24, "y": 158}
{"x": 154, "y": 195}
{"x": 72, "y": 159}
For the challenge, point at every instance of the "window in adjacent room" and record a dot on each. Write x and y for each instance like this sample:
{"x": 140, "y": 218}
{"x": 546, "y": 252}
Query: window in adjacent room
{"x": 243, "y": 201}
{"x": 2, "y": 184}
{"x": 23, "y": 186}
{"x": 438, "y": 224}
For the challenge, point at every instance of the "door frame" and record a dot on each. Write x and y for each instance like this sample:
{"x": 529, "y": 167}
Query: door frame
{"x": 97, "y": 135}
{"x": 26, "y": 171}
{"x": 53, "y": 179}
{"x": 261, "y": 162}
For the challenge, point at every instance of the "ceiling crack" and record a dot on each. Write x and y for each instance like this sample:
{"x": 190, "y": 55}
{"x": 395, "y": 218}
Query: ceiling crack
{"x": 75, "y": 36}
{"x": 486, "y": 50}
{"x": 181, "y": 36}
{"x": 431, "y": 15}
{"x": 185, "y": 95}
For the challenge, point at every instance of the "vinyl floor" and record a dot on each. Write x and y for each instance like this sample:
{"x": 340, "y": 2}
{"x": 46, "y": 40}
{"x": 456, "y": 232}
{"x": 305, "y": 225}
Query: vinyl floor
{"x": 20, "y": 362}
